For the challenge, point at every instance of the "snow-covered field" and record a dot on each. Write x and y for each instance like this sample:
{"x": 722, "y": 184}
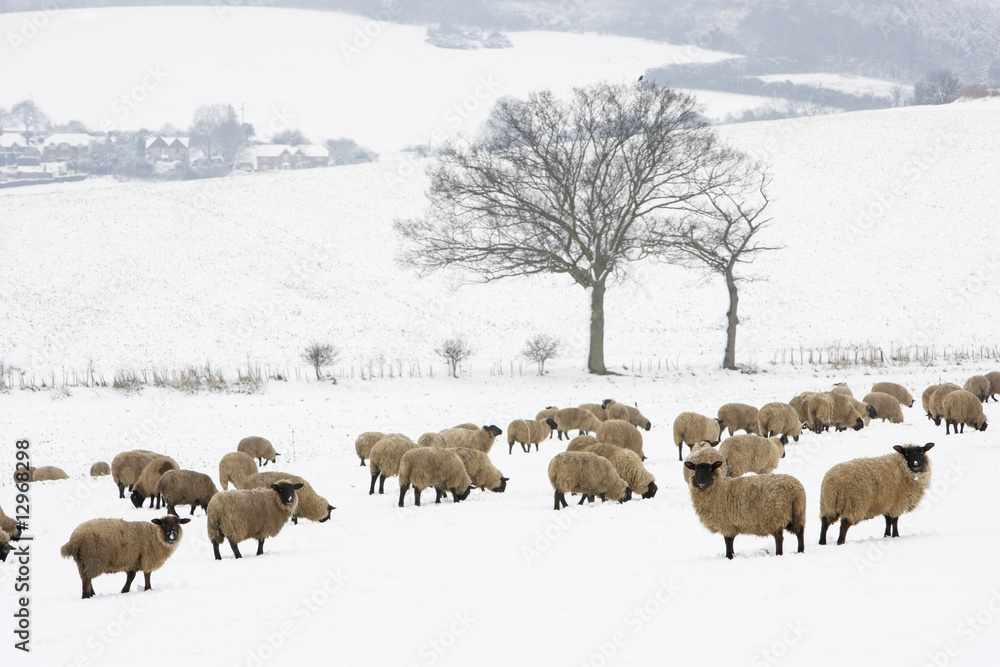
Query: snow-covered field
{"x": 843, "y": 83}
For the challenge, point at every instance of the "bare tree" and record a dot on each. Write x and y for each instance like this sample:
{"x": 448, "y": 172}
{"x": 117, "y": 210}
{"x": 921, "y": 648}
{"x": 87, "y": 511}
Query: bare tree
{"x": 578, "y": 187}
{"x": 217, "y": 131}
{"x": 939, "y": 87}
{"x": 540, "y": 349}
{"x": 319, "y": 355}
{"x": 27, "y": 114}
{"x": 720, "y": 237}
{"x": 454, "y": 351}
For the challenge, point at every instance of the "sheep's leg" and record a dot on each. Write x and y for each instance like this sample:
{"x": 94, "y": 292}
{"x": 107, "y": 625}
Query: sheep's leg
{"x": 800, "y": 534}
{"x": 121, "y": 490}
{"x": 779, "y": 541}
{"x": 895, "y": 526}
{"x": 215, "y": 548}
{"x": 680, "y": 451}
{"x": 381, "y": 484}
{"x": 171, "y": 509}
{"x": 131, "y": 488}
{"x": 402, "y": 492}
{"x": 416, "y": 496}
{"x": 628, "y": 493}
{"x": 510, "y": 448}
{"x": 146, "y": 576}
{"x": 260, "y": 547}
{"x": 235, "y": 548}
{"x": 729, "y": 546}
{"x": 129, "y": 576}
{"x": 193, "y": 505}
{"x": 371, "y": 491}
{"x": 295, "y": 519}
{"x": 88, "y": 587}
{"x": 362, "y": 462}
{"x": 947, "y": 427}
{"x": 559, "y": 498}
{"x": 962, "y": 427}
{"x": 437, "y": 496}
{"x": 583, "y": 497}
{"x": 529, "y": 447}
{"x": 824, "y": 525}
{"x": 844, "y": 525}
{"x": 152, "y": 499}
{"x": 888, "y": 525}
{"x": 795, "y": 438}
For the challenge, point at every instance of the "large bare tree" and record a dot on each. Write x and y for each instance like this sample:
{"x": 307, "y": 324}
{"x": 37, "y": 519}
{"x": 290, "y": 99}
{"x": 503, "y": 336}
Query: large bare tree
{"x": 580, "y": 186}
{"x": 28, "y": 115}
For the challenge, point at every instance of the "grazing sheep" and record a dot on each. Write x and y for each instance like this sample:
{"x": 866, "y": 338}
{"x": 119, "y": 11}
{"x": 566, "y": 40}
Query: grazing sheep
{"x": 703, "y": 452}
{"x": 259, "y": 448}
{"x": 234, "y": 468}
{"x": 128, "y": 466}
{"x": 799, "y": 404}
{"x": 756, "y": 505}
{"x": 926, "y": 397}
{"x": 185, "y": 487}
{"x": 548, "y": 413}
{"x": 431, "y": 440}
{"x": 597, "y": 409}
{"x": 842, "y": 389}
{"x": 311, "y": 506}
{"x": 480, "y": 438}
{"x": 886, "y": 406}
{"x": 779, "y": 419}
{"x": 4, "y": 545}
{"x": 738, "y": 416}
{"x": 936, "y": 411}
{"x": 246, "y": 514}
{"x": 481, "y": 470}
{"x": 587, "y": 474}
{"x": 629, "y": 413}
{"x": 819, "y": 412}
{"x": 994, "y": 378}
{"x": 363, "y": 444}
{"x": 145, "y": 487}
{"x": 752, "y": 453}
{"x": 978, "y": 385}
{"x": 99, "y": 469}
{"x": 622, "y": 434}
{"x": 10, "y": 526}
{"x": 385, "y": 456}
{"x": 897, "y": 391}
{"x": 581, "y": 443}
{"x": 692, "y": 428}
{"x": 526, "y": 433}
{"x": 628, "y": 465}
{"x": 443, "y": 469}
{"x": 568, "y": 419}
{"x": 48, "y": 473}
{"x": 866, "y": 411}
{"x": 862, "y": 489}
{"x": 848, "y": 413}
{"x": 960, "y": 408}
{"x": 105, "y": 546}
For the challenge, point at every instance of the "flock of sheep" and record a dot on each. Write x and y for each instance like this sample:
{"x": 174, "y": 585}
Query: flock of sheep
{"x": 608, "y": 464}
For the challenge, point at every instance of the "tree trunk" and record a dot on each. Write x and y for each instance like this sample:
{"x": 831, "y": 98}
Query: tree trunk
{"x": 729, "y": 361}
{"x": 595, "y": 363}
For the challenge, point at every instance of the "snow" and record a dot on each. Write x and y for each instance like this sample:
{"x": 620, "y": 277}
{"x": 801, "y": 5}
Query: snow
{"x": 842, "y": 83}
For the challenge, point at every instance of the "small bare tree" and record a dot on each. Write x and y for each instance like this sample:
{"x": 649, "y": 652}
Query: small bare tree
{"x": 939, "y": 87}
{"x": 319, "y": 355}
{"x": 454, "y": 351}
{"x": 540, "y": 349}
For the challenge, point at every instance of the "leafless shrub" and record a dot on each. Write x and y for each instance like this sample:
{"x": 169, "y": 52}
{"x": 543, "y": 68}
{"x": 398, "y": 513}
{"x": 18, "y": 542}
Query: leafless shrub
{"x": 540, "y": 348}
{"x": 454, "y": 351}
{"x": 319, "y": 355}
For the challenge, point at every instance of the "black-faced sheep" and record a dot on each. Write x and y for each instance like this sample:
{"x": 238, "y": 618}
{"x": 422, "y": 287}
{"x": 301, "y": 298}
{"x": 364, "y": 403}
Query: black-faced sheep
{"x": 385, "y": 456}
{"x": 481, "y": 470}
{"x": 799, "y": 404}
{"x": 597, "y": 409}
{"x": 185, "y": 487}
{"x": 691, "y": 428}
{"x": 548, "y": 413}
{"x": 363, "y": 444}
{"x": 621, "y": 433}
{"x": 311, "y": 505}
{"x": 978, "y": 385}
{"x": 849, "y": 413}
{"x": 779, "y": 419}
{"x": 897, "y": 391}
{"x": 629, "y": 413}
{"x": 126, "y": 468}
{"x": 105, "y": 546}
{"x": 587, "y": 474}
{"x": 99, "y": 469}
{"x": 526, "y": 433}
{"x": 886, "y": 406}
{"x": 246, "y": 514}
{"x": 819, "y": 412}
{"x": 703, "y": 452}
{"x": 234, "y": 468}
{"x": 480, "y": 438}
{"x": 259, "y": 448}
{"x": 442, "y": 469}
{"x": 756, "y": 505}
{"x": 960, "y": 408}
{"x": 739, "y": 416}
{"x": 569, "y": 419}
{"x": 862, "y": 489}
{"x": 936, "y": 411}
{"x": 751, "y": 453}
{"x": 145, "y": 486}
{"x": 629, "y": 467}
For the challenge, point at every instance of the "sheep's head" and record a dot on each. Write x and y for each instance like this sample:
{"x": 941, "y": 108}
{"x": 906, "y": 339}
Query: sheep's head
{"x": 170, "y": 527}
{"x": 4, "y": 549}
{"x": 329, "y": 508}
{"x": 551, "y": 423}
{"x": 606, "y": 402}
{"x": 648, "y": 425}
{"x": 859, "y": 424}
{"x": 137, "y": 499}
{"x": 650, "y": 490}
{"x": 462, "y": 496}
{"x": 915, "y": 456}
{"x": 286, "y": 491}
{"x": 872, "y": 412}
{"x": 704, "y": 473}
{"x": 983, "y": 427}
{"x": 495, "y": 430}
{"x": 502, "y": 486}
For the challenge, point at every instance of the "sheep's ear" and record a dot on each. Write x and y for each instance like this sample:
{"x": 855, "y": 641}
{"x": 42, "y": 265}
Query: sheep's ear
{"x": 928, "y": 446}
{"x": 688, "y": 464}
{"x": 277, "y": 454}
{"x": 505, "y": 479}
{"x": 899, "y": 448}
{"x": 158, "y": 522}
{"x": 715, "y": 466}
{"x": 298, "y": 486}
{"x": 184, "y": 520}
{"x": 276, "y": 488}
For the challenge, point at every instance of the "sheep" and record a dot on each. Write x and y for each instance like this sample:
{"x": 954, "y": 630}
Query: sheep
{"x": 431, "y": 440}
{"x": 10, "y": 526}
{"x": 960, "y": 408}
{"x": 548, "y": 413}
{"x": 480, "y": 438}
{"x": 886, "y": 406}
{"x": 527, "y": 433}
{"x": 799, "y": 404}
{"x": 4, "y": 545}
{"x": 866, "y": 411}
{"x": 842, "y": 389}
{"x": 754, "y": 505}
{"x": 587, "y": 474}
{"x": 574, "y": 418}
{"x": 245, "y": 514}
{"x": 259, "y": 448}
{"x": 145, "y": 487}
{"x": 622, "y": 434}
{"x": 311, "y": 506}
{"x": 819, "y": 412}
{"x": 581, "y": 443}
{"x": 468, "y": 426}
{"x": 849, "y": 413}
{"x": 428, "y": 466}
{"x": 363, "y": 444}
{"x": 692, "y": 428}
{"x": 629, "y": 413}
{"x": 752, "y": 453}
{"x": 481, "y": 470}
{"x": 862, "y": 489}
{"x": 126, "y": 468}
{"x": 936, "y": 410}
{"x": 737, "y": 416}
{"x": 185, "y": 487}
{"x": 926, "y": 398}
{"x": 978, "y": 385}
{"x": 897, "y": 391}
{"x": 385, "y": 456}
{"x": 629, "y": 467}
{"x": 48, "y": 473}
{"x": 994, "y": 378}
{"x": 597, "y": 409}
{"x": 99, "y": 469}
{"x": 779, "y": 419}
{"x": 106, "y": 546}
{"x": 703, "y": 452}
{"x": 235, "y": 467}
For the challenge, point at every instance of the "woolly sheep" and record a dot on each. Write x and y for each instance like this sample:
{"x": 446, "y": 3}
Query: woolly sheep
{"x": 548, "y": 413}
{"x": 862, "y": 489}
{"x": 99, "y": 469}
{"x": 842, "y": 389}
{"x": 848, "y": 413}
{"x": 703, "y": 452}
{"x": 866, "y": 411}
{"x": 819, "y": 412}
{"x": 622, "y": 434}
{"x": 10, "y": 526}
{"x": 431, "y": 440}
{"x": 925, "y": 399}
{"x": 936, "y": 411}
{"x": 48, "y": 473}
{"x": 145, "y": 487}
{"x": 526, "y": 433}
{"x": 738, "y": 416}
{"x": 4, "y": 545}
{"x": 185, "y": 487}
{"x": 886, "y": 406}
{"x": 480, "y": 438}
{"x": 234, "y": 468}
{"x": 799, "y": 404}
{"x": 978, "y": 385}
{"x": 756, "y": 505}
{"x": 629, "y": 413}
{"x": 385, "y": 456}
{"x": 994, "y": 378}
{"x": 751, "y": 453}
{"x": 363, "y": 444}
{"x": 960, "y": 408}
{"x": 581, "y": 443}
{"x": 629, "y": 467}
{"x": 692, "y": 428}
{"x": 779, "y": 419}
{"x": 245, "y": 514}
{"x": 106, "y": 546}
{"x": 468, "y": 426}
{"x": 126, "y": 468}
{"x": 897, "y": 391}
{"x": 583, "y": 421}
{"x": 259, "y": 448}
{"x": 481, "y": 470}
{"x": 597, "y": 409}
{"x": 442, "y": 469}
{"x": 587, "y": 474}
{"x": 311, "y": 506}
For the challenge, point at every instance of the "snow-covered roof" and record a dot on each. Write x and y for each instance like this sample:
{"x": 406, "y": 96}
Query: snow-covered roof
{"x": 274, "y": 150}
{"x": 313, "y": 150}
{"x": 11, "y": 139}
{"x": 185, "y": 142}
{"x": 69, "y": 138}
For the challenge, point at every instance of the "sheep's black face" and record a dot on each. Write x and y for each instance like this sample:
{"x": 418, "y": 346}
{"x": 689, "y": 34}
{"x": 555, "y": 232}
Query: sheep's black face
{"x": 983, "y": 427}
{"x": 552, "y": 424}
{"x": 170, "y": 526}
{"x": 648, "y": 426}
{"x": 464, "y": 495}
{"x": 704, "y": 473}
{"x": 605, "y": 403}
{"x": 329, "y": 508}
{"x": 915, "y": 456}
{"x": 137, "y": 498}
{"x": 4, "y": 550}
{"x": 872, "y": 412}
{"x": 650, "y": 490}
{"x": 503, "y": 485}
{"x": 859, "y": 424}
{"x": 286, "y": 491}
{"x": 495, "y": 430}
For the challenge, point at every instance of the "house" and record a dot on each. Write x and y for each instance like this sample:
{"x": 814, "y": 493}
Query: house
{"x": 167, "y": 149}
{"x": 284, "y": 156}
{"x": 63, "y": 147}
{"x": 14, "y": 147}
